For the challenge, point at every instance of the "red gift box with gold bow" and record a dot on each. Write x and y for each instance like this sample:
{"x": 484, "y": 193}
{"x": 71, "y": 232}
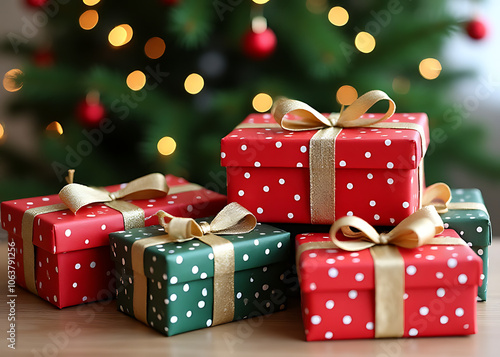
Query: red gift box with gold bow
{"x": 308, "y": 167}
{"x": 63, "y": 255}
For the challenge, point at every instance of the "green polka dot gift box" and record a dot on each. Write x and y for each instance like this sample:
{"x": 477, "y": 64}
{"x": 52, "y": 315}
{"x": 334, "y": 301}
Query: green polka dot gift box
{"x": 189, "y": 285}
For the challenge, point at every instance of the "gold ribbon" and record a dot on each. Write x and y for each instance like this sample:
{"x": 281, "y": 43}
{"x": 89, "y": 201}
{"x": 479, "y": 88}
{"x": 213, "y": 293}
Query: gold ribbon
{"x": 439, "y": 196}
{"x": 322, "y": 144}
{"x": 232, "y": 219}
{"x": 417, "y": 230}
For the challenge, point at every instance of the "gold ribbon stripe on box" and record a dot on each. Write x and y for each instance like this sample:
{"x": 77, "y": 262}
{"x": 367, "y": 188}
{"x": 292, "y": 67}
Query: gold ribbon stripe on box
{"x": 322, "y": 144}
{"x": 232, "y": 219}
{"x": 439, "y": 196}
{"x": 75, "y": 196}
{"x": 416, "y": 230}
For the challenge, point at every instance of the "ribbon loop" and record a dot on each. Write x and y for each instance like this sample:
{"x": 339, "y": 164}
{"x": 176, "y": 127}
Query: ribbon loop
{"x": 437, "y": 195}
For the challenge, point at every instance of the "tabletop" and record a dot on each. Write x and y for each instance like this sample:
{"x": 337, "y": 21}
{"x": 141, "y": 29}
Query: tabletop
{"x": 99, "y": 329}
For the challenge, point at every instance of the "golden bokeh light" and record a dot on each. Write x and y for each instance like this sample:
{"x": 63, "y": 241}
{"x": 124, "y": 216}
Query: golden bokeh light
{"x": 262, "y": 102}
{"x": 88, "y": 20}
{"x": 194, "y": 83}
{"x": 2, "y": 131}
{"x": 316, "y": 6}
{"x": 91, "y": 2}
{"x": 401, "y": 85}
{"x": 154, "y": 48}
{"x": 13, "y": 80}
{"x": 338, "y": 16}
{"x": 136, "y": 80}
{"x": 364, "y": 42}
{"x": 166, "y": 146}
{"x": 55, "y": 127}
{"x": 260, "y": 2}
{"x": 120, "y": 35}
{"x": 346, "y": 95}
{"x": 430, "y": 68}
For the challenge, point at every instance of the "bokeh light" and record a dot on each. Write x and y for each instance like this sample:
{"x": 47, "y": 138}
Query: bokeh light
{"x": 154, "y": 48}
{"x": 55, "y": 128}
{"x": 194, "y": 83}
{"x": 346, "y": 95}
{"x": 166, "y": 146}
{"x": 262, "y": 102}
{"x": 430, "y": 68}
{"x": 401, "y": 85}
{"x": 316, "y": 6}
{"x": 260, "y": 2}
{"x": 13, "y": 80}
{"x": 338, "y": 16}
{"x": 2, "y": 131}
{"x": 136, "y": 80}
{"x": 120, "y": 35}
{"x": 88, "y": 20}
{"x": 91, "y": 2}
{"x": 364, "y": 42}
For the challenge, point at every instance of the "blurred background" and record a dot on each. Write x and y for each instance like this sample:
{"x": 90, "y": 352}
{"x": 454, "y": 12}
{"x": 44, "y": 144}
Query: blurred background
{"x": 119, "y": 89}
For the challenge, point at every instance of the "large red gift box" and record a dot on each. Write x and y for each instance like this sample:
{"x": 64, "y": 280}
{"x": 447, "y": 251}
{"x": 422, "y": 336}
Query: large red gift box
{"x": 378, "y": 175}
{"x": 338, "y": 298}
{"x": 73, "y": 261}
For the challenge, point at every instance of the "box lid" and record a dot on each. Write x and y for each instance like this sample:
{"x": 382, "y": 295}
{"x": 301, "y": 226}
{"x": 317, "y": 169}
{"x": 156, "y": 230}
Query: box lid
{"x": 64, "y": 231}
{"x": 193, "y": 260}
{"x": 430, "y": 266}
{"x": 473, "y": 225}
{"x": 356, "y": 148}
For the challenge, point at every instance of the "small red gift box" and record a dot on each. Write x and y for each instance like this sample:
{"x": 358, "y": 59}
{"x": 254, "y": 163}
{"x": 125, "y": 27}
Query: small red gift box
{"x": 72, "y": 262}
{"x": 339, "y": 297}
{"x": 377, "y": 171}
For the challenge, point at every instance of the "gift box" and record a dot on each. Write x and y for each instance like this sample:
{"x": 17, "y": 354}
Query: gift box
{"x": 468, "y": 216}
{"x": 175, "y": 286}
{"x": 328, "y": 171}
{"x": 348, "y": 295}
{"x": 66, "y": 259}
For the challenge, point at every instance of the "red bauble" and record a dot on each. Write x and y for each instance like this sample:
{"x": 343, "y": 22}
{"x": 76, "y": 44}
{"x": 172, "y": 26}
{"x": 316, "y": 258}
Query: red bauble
{"x": 259, "y": 45}
{"x": 36, "y": 3}
{"x": 43, "y": 58}
{"x": 476, "y": 29}
{"x": 90, "y": 113}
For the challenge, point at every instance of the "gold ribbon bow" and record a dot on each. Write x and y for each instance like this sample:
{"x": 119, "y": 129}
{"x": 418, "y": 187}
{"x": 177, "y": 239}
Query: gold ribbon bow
{"x": 294, "y": 115}
{"x": 416, "y": 230}
{"x": 439, "y": 196}
{"x": 232, "y": 219}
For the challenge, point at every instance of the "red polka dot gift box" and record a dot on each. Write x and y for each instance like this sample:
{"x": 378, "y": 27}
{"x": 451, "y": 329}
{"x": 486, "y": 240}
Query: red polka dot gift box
{"x": 64, "y": 257}
{"x": 301, "y": 166}
{"x": 386, "y": 290}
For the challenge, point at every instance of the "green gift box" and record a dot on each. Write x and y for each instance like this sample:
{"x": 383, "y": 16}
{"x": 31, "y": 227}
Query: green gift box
{"x": 467, "y": 215}
{"x": 179, "y": 277}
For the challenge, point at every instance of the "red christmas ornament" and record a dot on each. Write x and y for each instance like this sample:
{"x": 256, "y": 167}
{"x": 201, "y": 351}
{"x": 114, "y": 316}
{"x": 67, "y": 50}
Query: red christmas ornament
{"x": 259, "y": 45}
{"x": 476, "y": 29}
{"x": 43, "y": 58}
{"x": 36, "y": 3}
{"x": 90, "y": 111}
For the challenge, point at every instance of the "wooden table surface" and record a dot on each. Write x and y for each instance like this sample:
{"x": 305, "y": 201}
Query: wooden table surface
{"x": 99, "y": 329}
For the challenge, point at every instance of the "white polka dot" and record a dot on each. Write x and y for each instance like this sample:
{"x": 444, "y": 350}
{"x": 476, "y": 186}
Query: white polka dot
{"x": 368, "y": 154}
{"x": 424, "y": 310}
{"x": 281, "y": 181}
{"x": 179, "y": 259}
{"x": 279, "y": 144}
{"x": 75, "y": 284}
{"x": 390, "y": 181}
{"x": 330, "y": 304}
{"x": 247, "y": 175}
{"x": 173, "y": 297}
{"x": 296, "y": 197}
{"x": 328, "y": 335}
{"x": 390, "y": 165}
{"x": 243, "y": 147}
{"x": 459, "y": 312}
{"x": 241, "y": 193}
{"x": 259, "y": 210}
{"x": 342, "y": 163}
{"x": 347, "y": 319}
{"x": 209, "y": 322}
{"x": 267, "y": 251}
{"x": 440, "y": 292}
{"x": 452, "y": 263}
{"x": 439, "y": 275}
{"x": 387, "y": 142}
{"x": 411, "y": 270}
{"x": 203, "y": 275}
{"x": 330, "y": 261}
{"x": 299, "y": 164}
{"x": 279, "y": 245}
{"x": 201, "y": 304}
{"x": 479, "y": 229}
{"x": 92, "y": 265}
{"x": 256, "y": 164}
{"x": 185, "y": 287}
{"x": 265, "y": 188}
{"x": 369, "y": 326}
{"x": 9, "y": 217}
{"x": 480, "y": 252}
{"x": 312, "y": 286}
{"x": 315, "y": 319}
{"x": 173, "y": 280}
{"x": 333, "y": 273}
{"x": 223, "y": 155}
{"x": 462, "y": 278}
{"x": 55, "y": 298}
{"x": 392, "y": 220}
{"x": 350, "y": 213}
{"x": 290, "y": 215}
{"x": 87, "y": 241}
{"x": 350, "y": 186}
{"x": 373, "y": 203}
{"x": 466, "y": 326}
{"x": 303, "y": 149}
{"x": 406, "y": 204}
{"x": 67, "y": 233}
{"x": 376, "y": 217}
{"x": 77, "y": 266}
{"x": 359, "y": 277}
{"x": 173, "y": 319}
{"x": 159, "y": 285}
{"x": 189, "y": 313}
{"x": 413, "y": 332}
{"x": 245, "y": 257}
{"x": 103, "y": 227}
{"x": 45, "y": 199}
{"x": 353, "y": 294}
{"x": 443, "y": 319}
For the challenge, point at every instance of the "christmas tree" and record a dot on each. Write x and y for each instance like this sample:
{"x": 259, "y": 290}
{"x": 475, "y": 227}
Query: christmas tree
{"x": 122, "y": 89}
